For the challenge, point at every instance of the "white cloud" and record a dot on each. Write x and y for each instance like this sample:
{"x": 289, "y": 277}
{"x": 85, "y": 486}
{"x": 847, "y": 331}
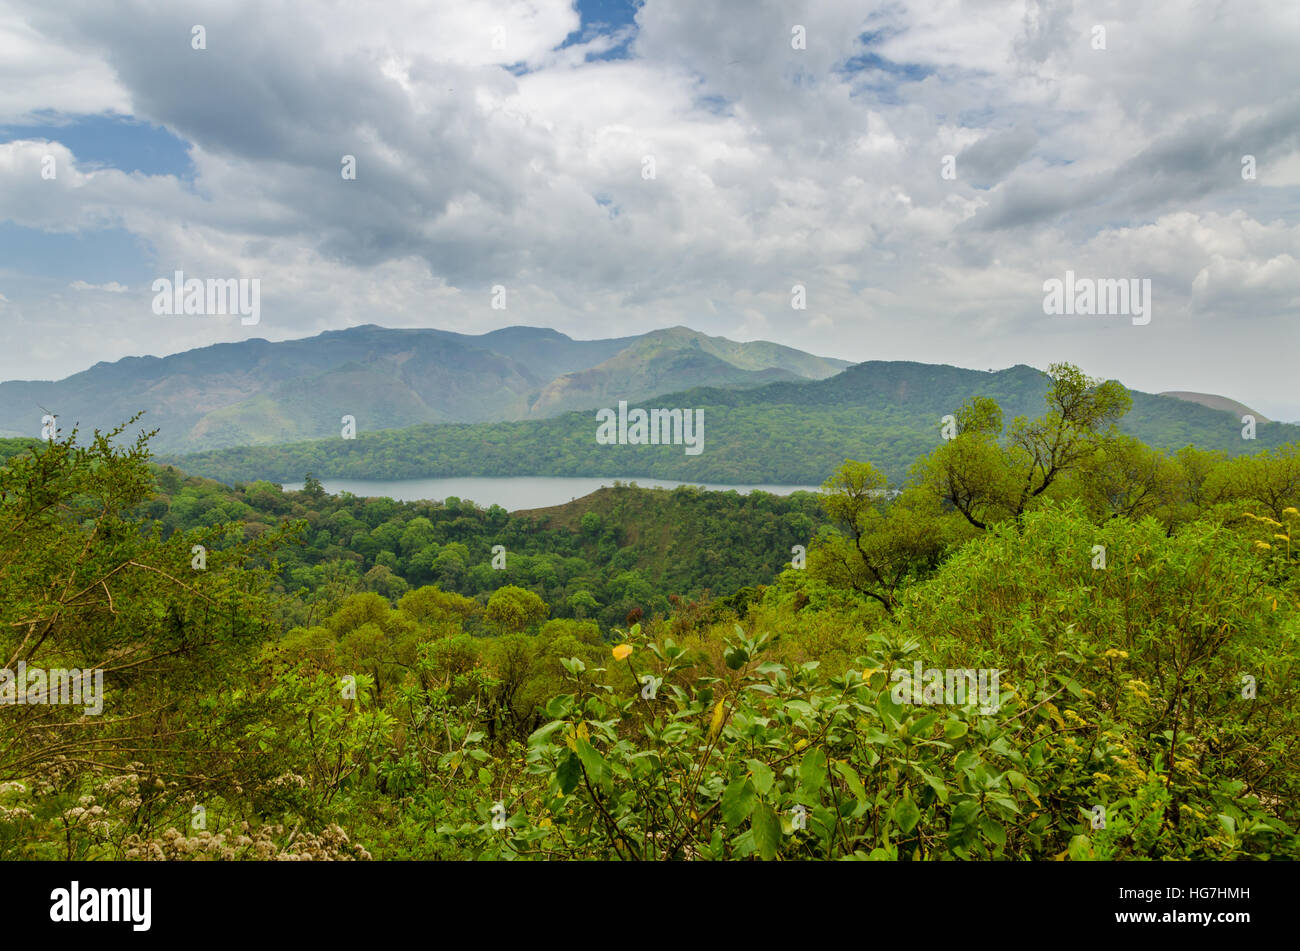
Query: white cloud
{"x": 112, "y": 287}
{"x": 773, "y": 165}
{"x": 45, "y": 74}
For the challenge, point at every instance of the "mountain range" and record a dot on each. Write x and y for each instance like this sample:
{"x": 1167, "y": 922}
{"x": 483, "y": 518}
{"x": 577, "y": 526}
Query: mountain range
{"x": 521, "y": 401}
{"x": 256, "y": 392}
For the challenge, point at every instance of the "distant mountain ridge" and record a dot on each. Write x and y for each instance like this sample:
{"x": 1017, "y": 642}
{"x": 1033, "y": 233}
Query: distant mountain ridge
{"x": 256, "y": 392}
{"x": 1214, "y": 401}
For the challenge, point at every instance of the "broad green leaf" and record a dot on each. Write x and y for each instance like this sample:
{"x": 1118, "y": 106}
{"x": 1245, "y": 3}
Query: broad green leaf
{"x": 763, "y": 777}
{"x": 568, "y": 773}
{"x": 934, "y": 782}
{"x": 541, "y": 733}
{"x": 767, "y": 830}
{"x": 592, "y": 760}
{"x": 963, "y": 813}
{"x": 851, "y": 778}
{"x": 821, "y": 822}
{"x": 890, "y": 712}
{"x": 736, "y": 657}
{"x": 738, "y": 801}
{"x": 559, "y": 706}
{"x": 922, "y": 726}
{"x": 994, "y": 830}
{"x": 906, "y": 815}
{"x": 812, "y": 771}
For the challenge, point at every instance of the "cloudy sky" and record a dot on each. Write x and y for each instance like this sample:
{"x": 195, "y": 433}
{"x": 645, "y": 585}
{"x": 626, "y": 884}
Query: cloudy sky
{"x": 509, "y": 142}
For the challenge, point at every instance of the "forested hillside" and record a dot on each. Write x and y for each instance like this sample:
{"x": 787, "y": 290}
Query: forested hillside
{"x": 785, "y": 433}
{"x": 618, "y": 550}
{"x": 292, "y": 675}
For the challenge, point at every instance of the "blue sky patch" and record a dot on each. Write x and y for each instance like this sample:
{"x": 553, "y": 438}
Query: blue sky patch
{"x": 110, "y": 141}
{"x": 96, "y": 257}
{"x": 605, "y": 17}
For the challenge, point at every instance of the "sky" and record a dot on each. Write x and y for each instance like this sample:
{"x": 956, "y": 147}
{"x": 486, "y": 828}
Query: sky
{"x": 918, "y": 169}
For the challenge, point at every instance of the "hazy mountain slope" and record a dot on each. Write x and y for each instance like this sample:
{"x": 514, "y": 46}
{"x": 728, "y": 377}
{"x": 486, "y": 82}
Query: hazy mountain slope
{"x": 180, "y": 390}
{"x": 646, "y": 368}
{"x": 1221, "y": 403}
{"x": 256, "y": 392}
{"x": 757, "y": 355}
{"x": 547, "y": 353}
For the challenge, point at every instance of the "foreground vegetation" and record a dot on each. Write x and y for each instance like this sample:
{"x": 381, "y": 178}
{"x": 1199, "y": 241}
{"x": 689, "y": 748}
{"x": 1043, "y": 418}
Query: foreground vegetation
{"x": 274, "y": 693}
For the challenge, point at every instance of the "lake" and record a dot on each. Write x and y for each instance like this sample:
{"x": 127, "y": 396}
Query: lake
{"x": 520, "y": 492}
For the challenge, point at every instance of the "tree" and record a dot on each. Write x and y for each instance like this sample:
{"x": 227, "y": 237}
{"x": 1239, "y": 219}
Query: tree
{"x": 1127, "y": 478}
{"x": 581, "y": 603}
{"x": 419, "y": 533}
{"x": 152, "y": 633}
{"x": 1271, "y": 479}
{"x": 1080, "y": 413}
{"x": 429, "y": 605}
{"x": 880, "y": 544}
{"x": 986, "y": 481}
{"x": 382, "y": 580}
{"x": 511, "y": 609}
{"x": 312, "y": 488}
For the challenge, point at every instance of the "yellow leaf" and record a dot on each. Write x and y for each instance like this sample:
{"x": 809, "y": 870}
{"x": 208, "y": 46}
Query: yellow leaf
{"x": 715, "y": 727}
{"x": 622, "y": 651}
{"x": 1055, "y": 714}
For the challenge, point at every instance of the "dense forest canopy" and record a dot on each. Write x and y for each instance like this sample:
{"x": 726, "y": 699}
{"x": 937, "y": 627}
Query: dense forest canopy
{"x": 664, "y": 674}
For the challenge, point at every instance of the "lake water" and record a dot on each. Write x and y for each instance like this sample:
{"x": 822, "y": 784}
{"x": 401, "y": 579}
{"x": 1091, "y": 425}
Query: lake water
{"x": 522, "y": 492}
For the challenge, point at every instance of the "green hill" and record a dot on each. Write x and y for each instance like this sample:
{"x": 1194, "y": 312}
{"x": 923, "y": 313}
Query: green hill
{"x": 888, "y": 413}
